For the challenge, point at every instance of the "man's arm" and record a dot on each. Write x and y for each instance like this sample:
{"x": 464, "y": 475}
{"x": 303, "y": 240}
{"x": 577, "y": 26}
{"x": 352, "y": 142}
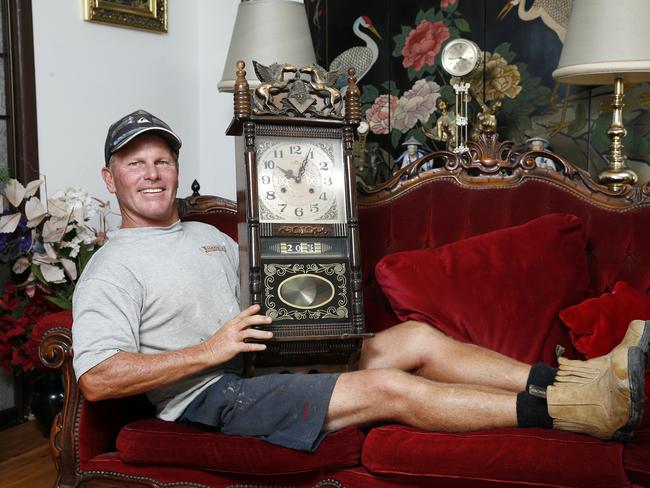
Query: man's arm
{"x": 128, "y": 373}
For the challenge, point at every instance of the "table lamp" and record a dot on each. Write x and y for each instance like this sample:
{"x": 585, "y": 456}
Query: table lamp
{"x": 267, "y": 31}
{"x": 608, "y": 42}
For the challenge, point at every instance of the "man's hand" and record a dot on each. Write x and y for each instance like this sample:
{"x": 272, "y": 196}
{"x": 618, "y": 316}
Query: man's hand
{"x": 230, "y": 339}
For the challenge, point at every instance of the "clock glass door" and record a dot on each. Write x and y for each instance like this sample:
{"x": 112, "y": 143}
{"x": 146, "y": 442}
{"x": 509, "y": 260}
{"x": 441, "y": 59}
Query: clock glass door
{"x": 300, "y": 180}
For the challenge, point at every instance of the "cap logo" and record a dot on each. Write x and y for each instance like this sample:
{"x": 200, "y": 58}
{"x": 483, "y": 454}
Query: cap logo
{"x": 143, "y": 120}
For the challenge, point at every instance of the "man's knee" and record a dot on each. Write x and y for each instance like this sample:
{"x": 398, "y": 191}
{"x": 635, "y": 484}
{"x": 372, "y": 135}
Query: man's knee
{"x": 388, "y": 386}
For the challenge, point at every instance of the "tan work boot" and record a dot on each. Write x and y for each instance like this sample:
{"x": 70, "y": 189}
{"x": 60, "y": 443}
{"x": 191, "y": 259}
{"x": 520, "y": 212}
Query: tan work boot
{"x": 603, "y": 396}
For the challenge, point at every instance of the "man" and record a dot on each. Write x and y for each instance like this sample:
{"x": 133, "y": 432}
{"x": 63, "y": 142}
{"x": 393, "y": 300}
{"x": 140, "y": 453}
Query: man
{"x": 157, "y": 311}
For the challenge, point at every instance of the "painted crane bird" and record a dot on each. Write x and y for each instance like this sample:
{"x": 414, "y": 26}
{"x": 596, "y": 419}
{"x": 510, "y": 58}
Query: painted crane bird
{"x": 361, "y": 58}
{"x": 554, "y": 13}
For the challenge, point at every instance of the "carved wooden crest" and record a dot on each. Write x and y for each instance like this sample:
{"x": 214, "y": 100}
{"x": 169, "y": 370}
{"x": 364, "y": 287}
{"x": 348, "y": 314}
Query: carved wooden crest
{"x": 491, "y": 162}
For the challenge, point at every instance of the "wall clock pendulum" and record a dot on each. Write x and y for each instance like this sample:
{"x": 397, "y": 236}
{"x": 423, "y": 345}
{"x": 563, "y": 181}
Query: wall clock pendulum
{"x": 298, "y": 229}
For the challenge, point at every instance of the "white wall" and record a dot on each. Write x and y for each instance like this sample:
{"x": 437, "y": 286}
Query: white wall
{"x": 217, "y": 168}
{"x": 89, "y": 74}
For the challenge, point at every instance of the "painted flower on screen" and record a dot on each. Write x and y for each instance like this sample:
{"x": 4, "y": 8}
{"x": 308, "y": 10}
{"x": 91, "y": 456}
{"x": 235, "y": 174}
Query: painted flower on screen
{"x": 447, "y": 3}
{"x": 380, "y": 114}
{"x": 416, "y": 105}
{"x": 423, "y": 44}
{"x": 501, "y": 79}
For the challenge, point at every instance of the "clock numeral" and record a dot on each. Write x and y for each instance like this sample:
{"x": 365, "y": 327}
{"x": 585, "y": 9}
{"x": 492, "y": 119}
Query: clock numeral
{"x": 295, "y": 150}
{"x": 324, "y": 166}
{"x": 313, "y": 208}
{"x": 277, "y": 153}
{"x": 283, "y": 207}
{"x": 270, "y": 164}
{"x": 323, "y": 196}
{"x": 328, "y": 181}
{"x": 266, "y": 179}
{"x": 298, "y": 211}
{"x": 270, "y": 195}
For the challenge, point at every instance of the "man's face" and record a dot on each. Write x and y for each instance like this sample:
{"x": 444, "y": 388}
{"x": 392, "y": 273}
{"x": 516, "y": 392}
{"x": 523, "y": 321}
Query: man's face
{"x": 144, "y": 178}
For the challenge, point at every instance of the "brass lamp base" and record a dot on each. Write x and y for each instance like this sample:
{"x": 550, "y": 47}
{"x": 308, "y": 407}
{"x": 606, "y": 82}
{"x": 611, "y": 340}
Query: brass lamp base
{"x": 616, "y": 178}
{"x": 617, "y": 174}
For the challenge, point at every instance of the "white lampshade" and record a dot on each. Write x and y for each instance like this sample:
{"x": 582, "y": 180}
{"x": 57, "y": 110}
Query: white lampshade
{"x": 605, "y": 40}
{"x": 267, "y": 31}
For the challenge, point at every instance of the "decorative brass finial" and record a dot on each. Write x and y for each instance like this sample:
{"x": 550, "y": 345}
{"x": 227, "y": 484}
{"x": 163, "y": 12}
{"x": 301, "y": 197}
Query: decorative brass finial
{"x": 352, "y": 99}
{"x": 242, "y": 93}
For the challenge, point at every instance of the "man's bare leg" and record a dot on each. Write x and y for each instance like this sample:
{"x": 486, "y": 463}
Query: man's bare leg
{"x": 391, "y": 395}
{"x": 420, "y": 349}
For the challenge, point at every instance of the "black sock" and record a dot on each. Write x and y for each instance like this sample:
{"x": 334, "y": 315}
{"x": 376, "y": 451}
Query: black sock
{"x": 532, "y": 411}
{"x": 542, "y": 375}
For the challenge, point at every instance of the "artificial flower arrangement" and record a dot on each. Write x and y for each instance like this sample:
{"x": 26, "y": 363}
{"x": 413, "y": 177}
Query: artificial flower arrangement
{"x": 47, "y": 247}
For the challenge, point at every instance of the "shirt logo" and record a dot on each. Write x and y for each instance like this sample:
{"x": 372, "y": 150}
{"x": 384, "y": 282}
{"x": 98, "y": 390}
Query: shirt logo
{"x": 213, "y": 248}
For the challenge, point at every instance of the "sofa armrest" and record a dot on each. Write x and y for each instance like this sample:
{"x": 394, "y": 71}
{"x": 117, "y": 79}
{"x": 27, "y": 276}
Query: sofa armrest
{"x": 55, "y": 352}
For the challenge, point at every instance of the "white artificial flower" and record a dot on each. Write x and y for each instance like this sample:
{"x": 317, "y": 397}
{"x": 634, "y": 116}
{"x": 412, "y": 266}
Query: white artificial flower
{"x": 15, "y": 192}
{"x": 34, "y": 211}
{"x": 70, "y": 268}
{"x": 51, "y": 273}
{"x": 32, "y": 187}
{"x": 21, "y": 264}
{"x": 8, "y": 223}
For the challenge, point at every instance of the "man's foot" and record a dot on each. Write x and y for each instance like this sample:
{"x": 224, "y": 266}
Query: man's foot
{"x": 603, "y": 396}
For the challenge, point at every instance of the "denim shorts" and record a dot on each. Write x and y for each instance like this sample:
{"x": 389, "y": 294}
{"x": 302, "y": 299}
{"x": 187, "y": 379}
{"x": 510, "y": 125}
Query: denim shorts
{"x": 284, "y": 409}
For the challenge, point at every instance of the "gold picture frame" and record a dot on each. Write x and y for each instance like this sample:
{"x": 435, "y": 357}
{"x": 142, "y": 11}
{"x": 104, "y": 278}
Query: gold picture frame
{"x": 148, "y": 15}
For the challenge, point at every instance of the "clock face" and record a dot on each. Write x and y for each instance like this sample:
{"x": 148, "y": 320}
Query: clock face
{"x": 300, "y": 180}
{"x": 460, "y": 57}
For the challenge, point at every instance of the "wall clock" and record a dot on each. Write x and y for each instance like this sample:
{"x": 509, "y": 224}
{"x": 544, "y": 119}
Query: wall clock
{"x": 298, "y": 230}
{"x": 460, "y": 57}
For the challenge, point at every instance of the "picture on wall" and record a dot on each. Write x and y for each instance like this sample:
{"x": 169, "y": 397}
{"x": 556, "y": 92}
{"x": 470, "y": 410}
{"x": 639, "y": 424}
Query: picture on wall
{"x": 148, "y": 15}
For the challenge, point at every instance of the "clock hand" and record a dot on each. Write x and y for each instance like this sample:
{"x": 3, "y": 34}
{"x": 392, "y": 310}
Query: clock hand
{"x": 303, "y": 167}
{"x": 288, "y": 173}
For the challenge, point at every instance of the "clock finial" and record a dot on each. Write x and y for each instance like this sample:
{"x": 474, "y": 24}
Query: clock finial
{"x": 352, "y": 99}
{"x": 242, "y": 94}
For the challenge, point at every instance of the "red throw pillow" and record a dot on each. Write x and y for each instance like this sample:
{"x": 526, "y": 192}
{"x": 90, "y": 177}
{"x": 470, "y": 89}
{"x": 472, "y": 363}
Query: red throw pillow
{"x": 501, "y": 290}
{"x": 599, "y": 324}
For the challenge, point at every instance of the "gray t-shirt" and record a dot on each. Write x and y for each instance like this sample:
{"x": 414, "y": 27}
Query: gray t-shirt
{"x": 156, "y": 289}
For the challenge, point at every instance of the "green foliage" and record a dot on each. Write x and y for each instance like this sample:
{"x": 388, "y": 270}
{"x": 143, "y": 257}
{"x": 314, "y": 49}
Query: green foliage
{"x": 462, "y": 24}
{"x": 400, "y": 39}
{"x": 395, "y": 137}
{"x": 580, "y": 120}
{"x": 504, "y": 50}
{"x": 391, "y": 87}
{"x": 368, "y": 94}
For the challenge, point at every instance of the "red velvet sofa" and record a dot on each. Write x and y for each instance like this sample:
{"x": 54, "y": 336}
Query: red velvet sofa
{"x": 468, "y": 253}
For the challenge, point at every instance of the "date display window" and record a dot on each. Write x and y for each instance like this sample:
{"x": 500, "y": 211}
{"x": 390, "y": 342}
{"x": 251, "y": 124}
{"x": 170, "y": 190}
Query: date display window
{"x": 301, "y": 248}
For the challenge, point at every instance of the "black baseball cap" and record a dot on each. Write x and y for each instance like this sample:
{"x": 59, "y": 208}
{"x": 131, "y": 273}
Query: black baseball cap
{"x": 131, "y": 126}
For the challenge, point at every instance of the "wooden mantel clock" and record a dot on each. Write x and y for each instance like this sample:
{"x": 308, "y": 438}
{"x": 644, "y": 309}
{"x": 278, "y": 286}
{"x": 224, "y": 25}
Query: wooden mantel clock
{"x": 298, "y": 229}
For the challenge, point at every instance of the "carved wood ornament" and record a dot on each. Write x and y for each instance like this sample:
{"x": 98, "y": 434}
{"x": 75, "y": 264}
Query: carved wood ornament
{"x": 492, "y": 163}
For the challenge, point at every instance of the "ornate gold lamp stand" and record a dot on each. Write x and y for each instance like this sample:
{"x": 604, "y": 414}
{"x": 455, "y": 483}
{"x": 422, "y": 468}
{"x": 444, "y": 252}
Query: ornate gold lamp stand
{"x": 617, "y": 174}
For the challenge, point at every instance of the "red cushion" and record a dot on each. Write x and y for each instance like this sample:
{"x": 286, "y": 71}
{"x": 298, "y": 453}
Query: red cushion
{"x": 598, "y": 324}
{"x": 501, "y": 290}
{"x": 155, "y": 441}
{"x": 500, "y": 456}
{"x": 635, "y": 459}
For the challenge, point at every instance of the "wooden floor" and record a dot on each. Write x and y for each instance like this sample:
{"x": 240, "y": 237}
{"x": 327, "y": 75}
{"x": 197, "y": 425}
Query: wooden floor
{"x": 25, "y": 460}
